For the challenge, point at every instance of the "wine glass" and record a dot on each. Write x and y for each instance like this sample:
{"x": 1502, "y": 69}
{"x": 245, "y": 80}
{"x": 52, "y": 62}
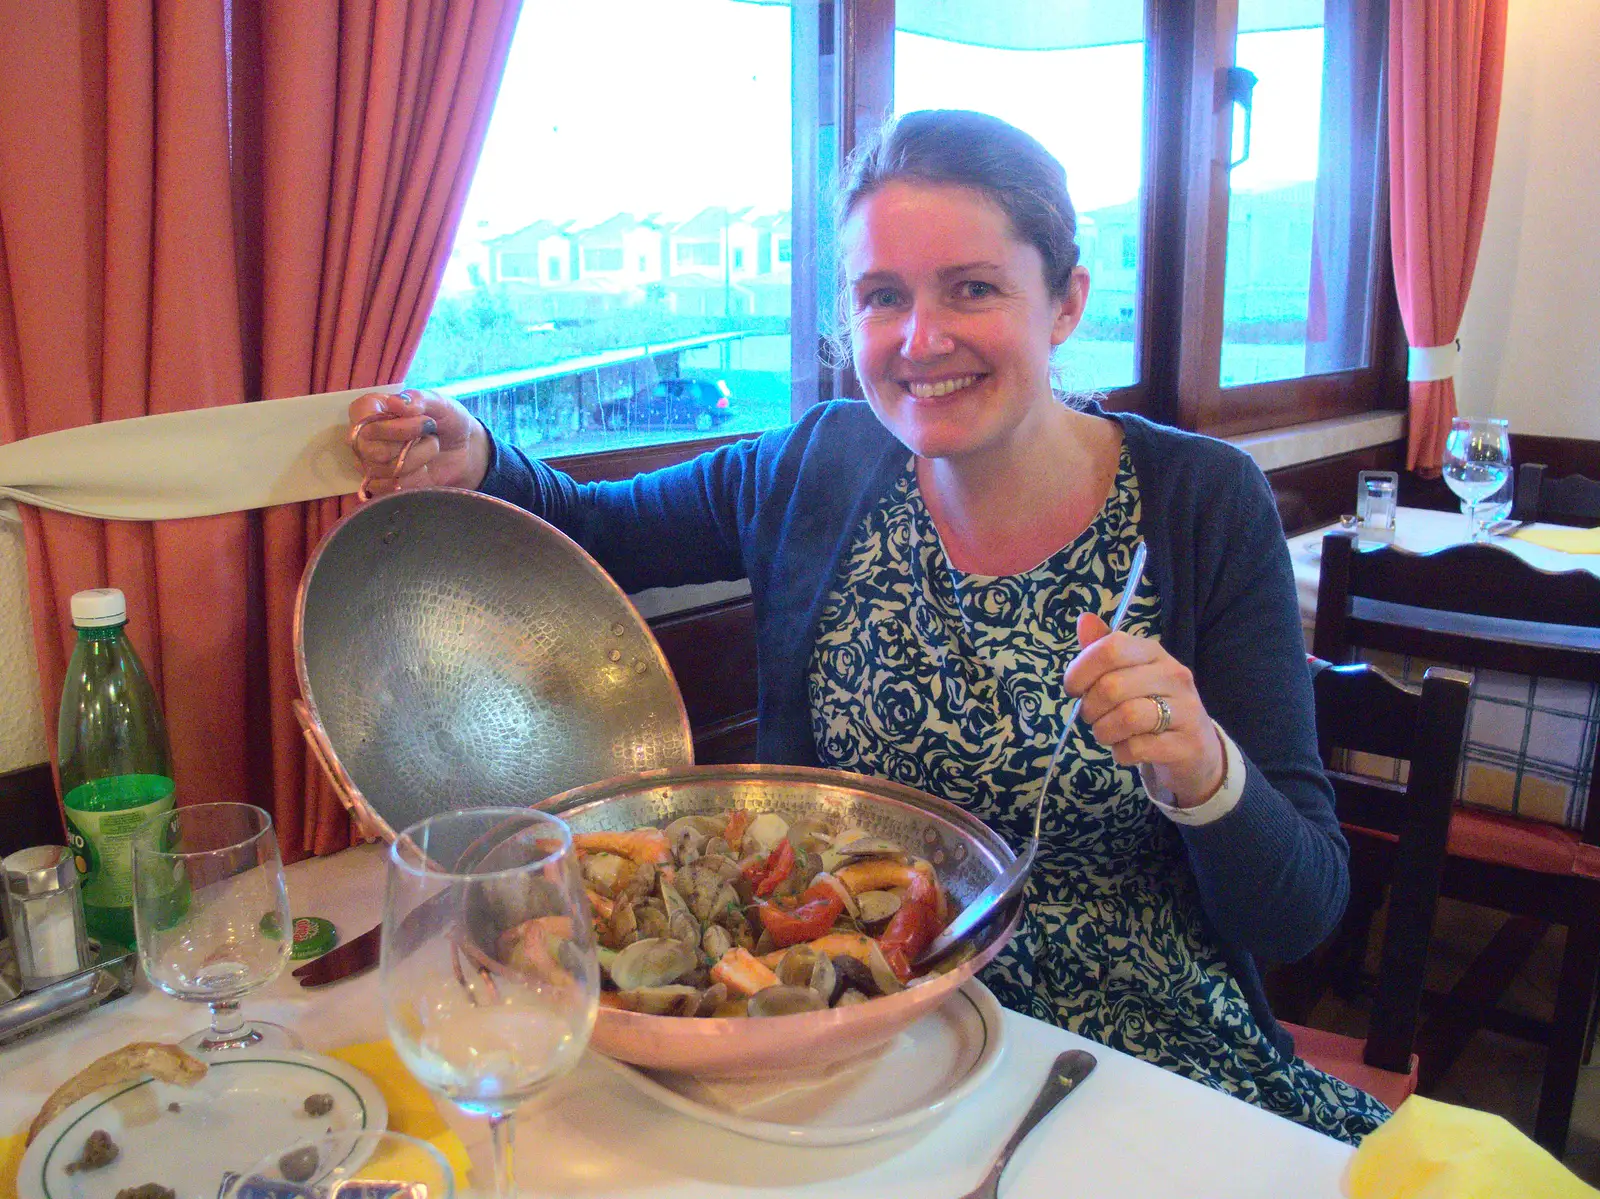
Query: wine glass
{"x": 1477, "y": 463}
{"x": 489, "y": 974}
{"x": 393, "y": 1164}
{"x": 211, "y": 916}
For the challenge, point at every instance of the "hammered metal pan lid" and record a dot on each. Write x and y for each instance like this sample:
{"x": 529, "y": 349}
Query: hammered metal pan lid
{"x": 455, "y": 651}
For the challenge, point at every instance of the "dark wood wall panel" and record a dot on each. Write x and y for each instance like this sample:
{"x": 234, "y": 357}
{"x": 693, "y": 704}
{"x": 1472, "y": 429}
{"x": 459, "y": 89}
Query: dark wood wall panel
{"x": 1318, "y": 493}
{"x": 712, "y": 652}
{"x": 29, "y": 814}
{"x": 1563, "y": 455}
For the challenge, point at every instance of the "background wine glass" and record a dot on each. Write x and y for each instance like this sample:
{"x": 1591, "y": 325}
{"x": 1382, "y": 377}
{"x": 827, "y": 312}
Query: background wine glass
{"x": 1477, "y": 463}
{"x": 211, "y": 916}
{"x": 488, "y": 968}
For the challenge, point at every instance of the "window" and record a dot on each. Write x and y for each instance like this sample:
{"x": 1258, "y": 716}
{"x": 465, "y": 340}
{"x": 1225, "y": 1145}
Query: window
{"x": 1295, "y": 326}
{"x": 627, "y": 183}
{"x": 1294, "y": 304}
{"x": 680, "y": 211}
{"x": 604, "y": 258}
{"x": 519, "y": 266}
{"x": 1010, "y": 61}
{"x": 700, "y": 253}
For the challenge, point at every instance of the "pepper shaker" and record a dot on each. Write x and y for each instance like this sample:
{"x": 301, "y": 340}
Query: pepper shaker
{"x": 45, "y": 913}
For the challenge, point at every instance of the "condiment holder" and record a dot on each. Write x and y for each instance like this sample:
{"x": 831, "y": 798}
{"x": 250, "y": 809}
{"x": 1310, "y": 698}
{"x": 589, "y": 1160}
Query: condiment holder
{"x": 49, "y": 968}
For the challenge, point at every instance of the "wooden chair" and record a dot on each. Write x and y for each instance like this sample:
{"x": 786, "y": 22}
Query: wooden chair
{"x": 1481, "y": 606}
{"x": 1360, "y": 708}
{"x": 1568, "y": 500}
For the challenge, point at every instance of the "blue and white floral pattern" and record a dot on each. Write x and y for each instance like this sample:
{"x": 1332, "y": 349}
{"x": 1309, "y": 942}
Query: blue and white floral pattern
{"x": 949, "y": 682}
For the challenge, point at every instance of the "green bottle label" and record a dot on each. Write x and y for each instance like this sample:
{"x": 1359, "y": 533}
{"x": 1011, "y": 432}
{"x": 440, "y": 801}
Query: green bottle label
{"x": 103, "y": 817}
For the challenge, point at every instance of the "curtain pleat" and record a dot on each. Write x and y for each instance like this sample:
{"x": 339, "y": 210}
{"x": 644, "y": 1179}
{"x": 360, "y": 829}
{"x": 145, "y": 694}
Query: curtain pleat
{"x": 372, "y": 185}
{"x": 1446, "y": 62}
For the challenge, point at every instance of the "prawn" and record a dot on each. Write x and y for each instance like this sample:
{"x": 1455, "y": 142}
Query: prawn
{"x": 742, "y": 972}
{"x": 637, "y": 845}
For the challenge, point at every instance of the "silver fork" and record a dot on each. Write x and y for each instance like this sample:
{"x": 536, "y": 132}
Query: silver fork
{"x": 1071, "y": 1068}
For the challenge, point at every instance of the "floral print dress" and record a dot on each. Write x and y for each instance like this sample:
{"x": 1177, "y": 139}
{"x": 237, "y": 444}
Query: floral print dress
{"x": 950, "y": 683}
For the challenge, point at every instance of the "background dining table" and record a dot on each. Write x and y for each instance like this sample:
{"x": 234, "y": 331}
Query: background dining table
{"x": 1131, "y": 1130}
{"x": 1423, "y": 530}
{"x": 1529, "y": 741}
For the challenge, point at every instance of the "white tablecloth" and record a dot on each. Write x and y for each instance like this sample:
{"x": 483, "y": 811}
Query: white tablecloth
{"x": 1131, "y": 1130}
{"x": 1528, "y": 740}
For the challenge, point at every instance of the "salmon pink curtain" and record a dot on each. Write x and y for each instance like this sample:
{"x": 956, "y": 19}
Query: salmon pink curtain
{"x": 1446, "y": 60}
{"x": 199, "y": 205}
{"x": 373, "y": 116}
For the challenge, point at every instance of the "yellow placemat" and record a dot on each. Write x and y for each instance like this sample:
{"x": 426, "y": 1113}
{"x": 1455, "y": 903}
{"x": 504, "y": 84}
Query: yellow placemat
{"x": 411, "y": 1110}
{"x": 10, "y": 1158}
{"x": 1432, "y": 1150}
{"x": 1570, "y": 541}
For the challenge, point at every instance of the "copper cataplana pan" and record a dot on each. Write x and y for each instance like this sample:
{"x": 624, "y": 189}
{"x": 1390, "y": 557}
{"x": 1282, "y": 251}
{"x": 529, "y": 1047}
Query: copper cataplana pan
{"x": 454, "y": 651}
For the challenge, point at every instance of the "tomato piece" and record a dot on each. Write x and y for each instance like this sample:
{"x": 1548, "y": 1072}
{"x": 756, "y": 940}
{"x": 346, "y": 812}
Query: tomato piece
{"x": 780, "y": 862}
{"x": 807, "y": 922}
{"x": 909, "y": 932}
{"x": 898, "y": 962}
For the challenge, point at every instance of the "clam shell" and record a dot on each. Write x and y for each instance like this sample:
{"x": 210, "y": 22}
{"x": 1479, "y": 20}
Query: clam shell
{"x": 653, "y": 962}
{"x": 784, "y": 1001}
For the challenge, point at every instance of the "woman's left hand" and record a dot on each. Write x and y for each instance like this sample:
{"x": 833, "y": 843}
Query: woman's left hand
{"x": 1121, "y": 677}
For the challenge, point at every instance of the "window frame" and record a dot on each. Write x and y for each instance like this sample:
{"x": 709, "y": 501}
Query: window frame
{"x": 844, "y": 64}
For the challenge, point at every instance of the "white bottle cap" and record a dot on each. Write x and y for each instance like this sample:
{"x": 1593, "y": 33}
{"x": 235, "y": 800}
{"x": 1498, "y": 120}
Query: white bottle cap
{"x": 98, "y": 608}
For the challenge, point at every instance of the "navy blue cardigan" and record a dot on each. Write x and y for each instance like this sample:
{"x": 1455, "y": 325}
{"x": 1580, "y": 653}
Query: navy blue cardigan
{"x": 781, "y": 509}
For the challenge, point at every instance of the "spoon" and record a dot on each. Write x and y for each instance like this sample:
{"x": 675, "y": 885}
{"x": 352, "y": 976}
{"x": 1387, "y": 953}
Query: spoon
{"x": 1070, "y": 1069}
{"x": 1013, "y": 880}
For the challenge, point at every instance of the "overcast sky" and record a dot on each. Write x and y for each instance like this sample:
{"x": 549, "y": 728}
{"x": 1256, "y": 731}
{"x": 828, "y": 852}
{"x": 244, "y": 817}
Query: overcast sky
{"x": 649, "y": 106}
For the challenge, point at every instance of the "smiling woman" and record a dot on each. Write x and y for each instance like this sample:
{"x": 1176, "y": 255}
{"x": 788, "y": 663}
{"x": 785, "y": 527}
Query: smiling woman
{"x": 930, "y": 573}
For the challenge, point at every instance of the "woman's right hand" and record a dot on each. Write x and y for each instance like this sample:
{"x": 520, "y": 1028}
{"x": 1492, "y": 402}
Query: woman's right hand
{"x": 451, "y": 448}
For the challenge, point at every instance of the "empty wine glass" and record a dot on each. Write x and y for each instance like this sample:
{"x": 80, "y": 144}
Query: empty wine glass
{"x": 488, "y": 968}
{"x": 211, "y": 916}
{"x": 1477, "y": 463}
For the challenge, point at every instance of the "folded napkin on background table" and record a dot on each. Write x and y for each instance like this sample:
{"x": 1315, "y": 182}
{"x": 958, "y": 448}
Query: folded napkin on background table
{"x": 1432, "y": 1150}
{"x": 411, "y": 1109}
{"x": 1569, "y": 541}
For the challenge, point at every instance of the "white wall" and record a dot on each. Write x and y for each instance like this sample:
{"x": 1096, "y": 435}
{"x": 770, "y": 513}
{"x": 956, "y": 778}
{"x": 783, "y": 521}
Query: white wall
{"x": 1530, "y": 337}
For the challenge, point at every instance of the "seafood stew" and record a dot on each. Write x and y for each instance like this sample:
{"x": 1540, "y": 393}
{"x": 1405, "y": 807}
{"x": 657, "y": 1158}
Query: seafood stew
{"x": 744, "y": 913}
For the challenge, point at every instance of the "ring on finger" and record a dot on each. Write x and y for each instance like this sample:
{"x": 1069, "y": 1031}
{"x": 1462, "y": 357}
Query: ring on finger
{"x": 1163, "y": 715}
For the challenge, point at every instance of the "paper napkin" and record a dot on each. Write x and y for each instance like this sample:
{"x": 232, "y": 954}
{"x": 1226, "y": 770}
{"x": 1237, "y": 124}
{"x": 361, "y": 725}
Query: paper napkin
{"x": 10, "y": 1158}
{"x": 1571, "y": 541}
{"x": 1432, "y": 1150}
{"x": 411, "y": 1110}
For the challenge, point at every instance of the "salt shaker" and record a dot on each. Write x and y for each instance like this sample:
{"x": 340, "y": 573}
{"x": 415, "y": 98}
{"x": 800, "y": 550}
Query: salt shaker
{"x": 45, "y": 913}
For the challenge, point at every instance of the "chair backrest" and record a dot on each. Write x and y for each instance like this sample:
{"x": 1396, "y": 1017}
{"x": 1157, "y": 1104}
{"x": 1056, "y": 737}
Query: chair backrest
{"x": 1477, "y": 606}
{"x": 1567, "y": 500}
{"x": 1360, "y": 708}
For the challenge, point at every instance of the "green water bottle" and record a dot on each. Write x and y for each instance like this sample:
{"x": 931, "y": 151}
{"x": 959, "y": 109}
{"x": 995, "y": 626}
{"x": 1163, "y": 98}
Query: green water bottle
{"x": 116, "y": 770}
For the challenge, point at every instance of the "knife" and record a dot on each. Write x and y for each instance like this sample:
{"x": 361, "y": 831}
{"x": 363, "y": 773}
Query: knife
{"x": 348, "y": 960}
{"x": 360, "y": 955}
